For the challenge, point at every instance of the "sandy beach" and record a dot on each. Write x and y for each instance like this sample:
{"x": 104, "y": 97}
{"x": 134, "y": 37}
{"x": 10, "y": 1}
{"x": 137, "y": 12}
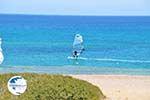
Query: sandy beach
{"x": 120, "y": 87}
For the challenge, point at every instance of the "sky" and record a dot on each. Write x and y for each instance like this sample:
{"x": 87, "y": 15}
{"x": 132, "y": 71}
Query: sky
{"x": 76, "y": 7}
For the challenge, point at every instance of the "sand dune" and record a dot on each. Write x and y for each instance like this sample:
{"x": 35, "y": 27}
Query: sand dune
{"x": 121, "y": 87}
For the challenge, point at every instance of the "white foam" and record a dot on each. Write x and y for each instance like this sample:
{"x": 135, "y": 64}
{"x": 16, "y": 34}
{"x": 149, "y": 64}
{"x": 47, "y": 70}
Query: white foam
{"x": 112, "y": 60}
{"x": 122, "y": 60}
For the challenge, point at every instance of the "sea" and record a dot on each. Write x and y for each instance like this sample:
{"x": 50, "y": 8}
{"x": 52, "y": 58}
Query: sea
{"x": 43, "y": 44}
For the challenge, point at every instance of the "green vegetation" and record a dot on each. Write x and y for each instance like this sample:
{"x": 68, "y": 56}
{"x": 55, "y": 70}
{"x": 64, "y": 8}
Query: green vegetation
{"x": 51, "y": 87}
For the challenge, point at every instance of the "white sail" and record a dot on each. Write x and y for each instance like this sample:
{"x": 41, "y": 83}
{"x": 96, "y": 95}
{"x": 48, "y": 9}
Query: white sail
{"x": 1, "y": 53}
{"x": 78, "y": 44}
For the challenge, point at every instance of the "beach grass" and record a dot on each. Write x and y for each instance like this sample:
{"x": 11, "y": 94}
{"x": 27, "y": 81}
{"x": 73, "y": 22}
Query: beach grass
{"x": 51, "y": 87}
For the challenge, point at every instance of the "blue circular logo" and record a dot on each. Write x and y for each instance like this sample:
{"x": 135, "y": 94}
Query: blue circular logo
{"x": 17, "y": 85}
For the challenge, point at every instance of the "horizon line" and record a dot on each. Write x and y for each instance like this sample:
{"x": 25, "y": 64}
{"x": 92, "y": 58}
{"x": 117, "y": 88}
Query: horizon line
{"x": 72, "y": 15}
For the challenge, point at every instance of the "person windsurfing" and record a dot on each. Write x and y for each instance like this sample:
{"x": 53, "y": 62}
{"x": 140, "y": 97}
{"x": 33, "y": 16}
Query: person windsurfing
{"x": 75, "y": 54}
{"x": 78, "y": 47}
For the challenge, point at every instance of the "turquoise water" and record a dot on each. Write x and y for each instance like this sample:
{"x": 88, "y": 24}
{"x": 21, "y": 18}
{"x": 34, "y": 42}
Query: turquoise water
{"x": 113, "y": 45}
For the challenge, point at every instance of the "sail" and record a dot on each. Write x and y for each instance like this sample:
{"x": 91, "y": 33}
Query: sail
{"x": 0, "y": 44}
{"x": 1, "y": 53}
{"x": 78, "y": 43}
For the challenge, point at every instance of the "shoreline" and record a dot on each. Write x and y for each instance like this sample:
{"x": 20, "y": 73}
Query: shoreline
{"x": 120, "y": 87}
{"x": 76, "y": 70}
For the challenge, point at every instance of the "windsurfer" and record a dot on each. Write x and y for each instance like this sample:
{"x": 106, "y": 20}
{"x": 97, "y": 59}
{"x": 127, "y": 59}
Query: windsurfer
{"x": 75, "y": 54}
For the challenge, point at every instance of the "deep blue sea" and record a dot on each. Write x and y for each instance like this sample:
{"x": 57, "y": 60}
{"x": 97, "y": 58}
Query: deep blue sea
{"x": 113, "y": 44}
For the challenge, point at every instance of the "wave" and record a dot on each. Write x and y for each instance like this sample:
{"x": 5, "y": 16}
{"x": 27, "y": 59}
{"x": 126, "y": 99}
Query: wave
{"x": 111, "y": 60}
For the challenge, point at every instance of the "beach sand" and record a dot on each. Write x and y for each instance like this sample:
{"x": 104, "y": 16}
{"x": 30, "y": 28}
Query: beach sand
{"x": 120, "y": 87}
